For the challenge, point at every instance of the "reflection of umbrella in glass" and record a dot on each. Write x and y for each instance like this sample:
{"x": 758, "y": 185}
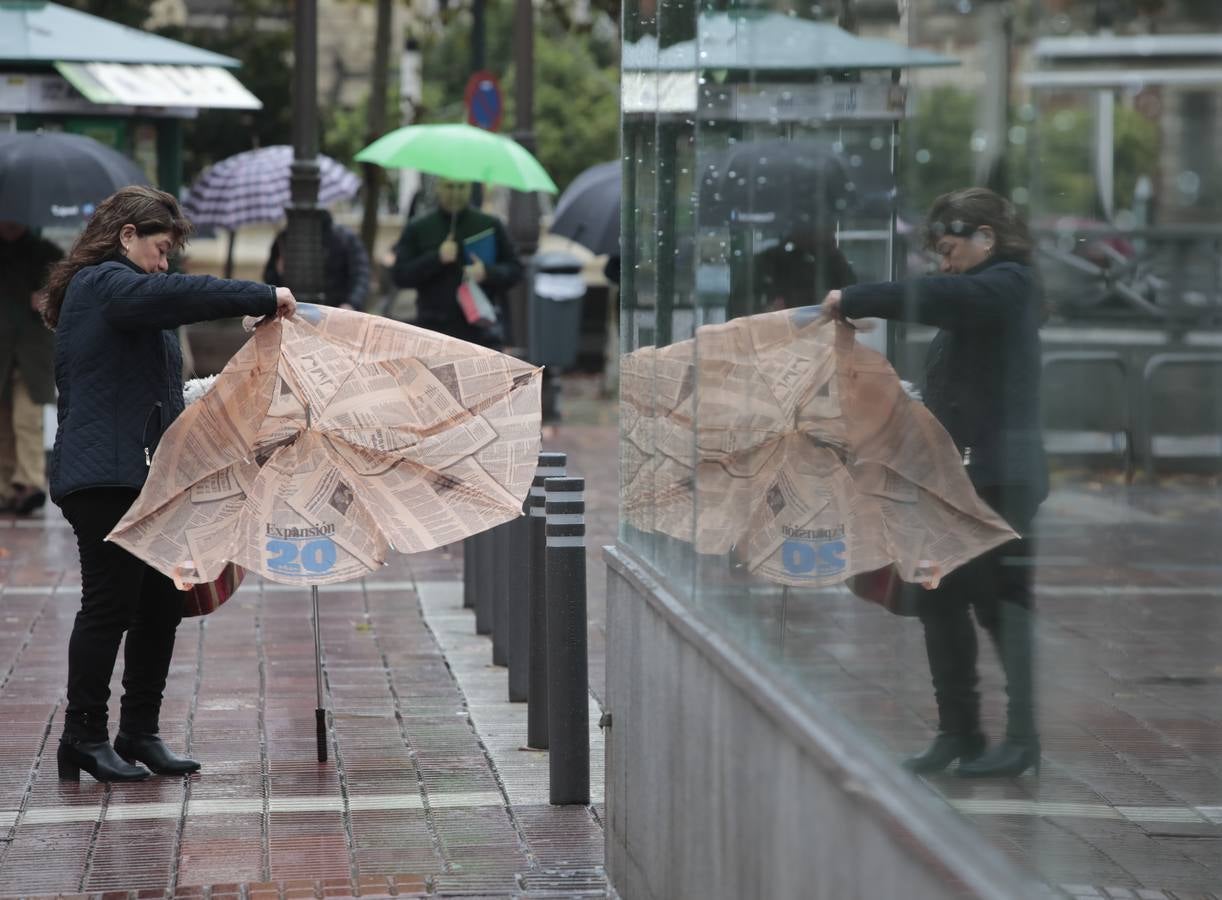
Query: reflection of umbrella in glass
{"x": 254, "y": 187}
{"x": 331, "y": 438}
{"x": 460, "y": 153}
{"x": 52, "y": 178}
{"x": 785, "y": 185}
{"x": 588, "y": 210}
{"x": 780, "y": 438}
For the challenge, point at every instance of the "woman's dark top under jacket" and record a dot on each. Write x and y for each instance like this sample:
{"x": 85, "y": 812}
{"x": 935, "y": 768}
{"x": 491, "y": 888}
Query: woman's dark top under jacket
{"x": 982, "y": 371}
{"x": 118, "y": 365}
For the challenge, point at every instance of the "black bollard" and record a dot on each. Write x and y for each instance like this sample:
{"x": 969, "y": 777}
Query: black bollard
{"x": 482, "y": 558}
{"x": 500, "y": 595}
{"x": 551, "y": 465}
{"x": 568, "y": 688}
{"x": 468, "y": 573}
{"x": 517, "y": 570}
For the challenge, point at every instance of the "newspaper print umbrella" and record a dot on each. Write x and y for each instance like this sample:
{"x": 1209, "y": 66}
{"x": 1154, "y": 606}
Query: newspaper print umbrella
{"x": 331, "y": 438}
{"x": 781, "y": 439}
{"x": 52, "y": 178}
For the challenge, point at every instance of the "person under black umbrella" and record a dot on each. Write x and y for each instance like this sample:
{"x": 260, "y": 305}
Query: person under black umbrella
{"x": 26, "y": 378}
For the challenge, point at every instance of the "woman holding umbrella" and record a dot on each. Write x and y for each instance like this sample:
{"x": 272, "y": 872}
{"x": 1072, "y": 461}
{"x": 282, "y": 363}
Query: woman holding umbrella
{"x": 982, "y": 376}
{"x": 118, "y": 368}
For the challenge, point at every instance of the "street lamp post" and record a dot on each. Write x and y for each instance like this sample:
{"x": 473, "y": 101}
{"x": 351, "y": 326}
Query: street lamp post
{"x": 303, "y": 251}
{"x": 524, "y": 207}
{"x": 523, "y": 224}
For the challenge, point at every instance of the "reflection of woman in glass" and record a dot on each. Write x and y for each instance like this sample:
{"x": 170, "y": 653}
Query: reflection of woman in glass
{"x": 982, "y": 383}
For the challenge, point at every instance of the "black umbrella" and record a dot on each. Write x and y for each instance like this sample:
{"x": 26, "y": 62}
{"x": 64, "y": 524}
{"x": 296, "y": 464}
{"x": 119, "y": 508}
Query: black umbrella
{"x": 786, "y": 185}
{"x": 53, "y": 178}
{"x": 588, "y": 210}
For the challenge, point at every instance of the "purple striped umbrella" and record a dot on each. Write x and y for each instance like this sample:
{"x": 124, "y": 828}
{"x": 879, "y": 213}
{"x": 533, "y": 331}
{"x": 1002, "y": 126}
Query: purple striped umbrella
{"x": 254, "y": 187}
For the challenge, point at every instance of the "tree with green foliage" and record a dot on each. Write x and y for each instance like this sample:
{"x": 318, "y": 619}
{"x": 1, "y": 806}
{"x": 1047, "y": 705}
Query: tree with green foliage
{"x": 1048, "y": 163}
{"x": 131, "y": 13}
{"x": 576, "y": 85}
{"x": 267, "y": 69}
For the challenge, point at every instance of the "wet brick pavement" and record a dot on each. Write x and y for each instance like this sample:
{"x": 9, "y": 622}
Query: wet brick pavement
{"x": 426, "y": 792}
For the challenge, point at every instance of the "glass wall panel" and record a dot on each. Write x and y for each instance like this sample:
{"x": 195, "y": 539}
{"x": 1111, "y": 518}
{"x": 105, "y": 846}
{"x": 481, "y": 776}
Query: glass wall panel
{"x": 1009, "y": 560}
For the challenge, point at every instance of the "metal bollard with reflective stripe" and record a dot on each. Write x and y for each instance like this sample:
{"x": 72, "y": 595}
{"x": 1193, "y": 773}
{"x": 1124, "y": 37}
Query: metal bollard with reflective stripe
{"x": 468, "y": 573}
{"x": 499, "y": 587}
{"x": 517, "y": 577}
{"x": 568, "y": 689}
{"x": 483, "y": 562}
{"x": 550, "y": 465}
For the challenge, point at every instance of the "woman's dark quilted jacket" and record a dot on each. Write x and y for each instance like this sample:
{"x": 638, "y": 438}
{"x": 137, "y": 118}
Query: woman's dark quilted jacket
{"x": 982, "y": 371}
{"x": 118, "y": 366}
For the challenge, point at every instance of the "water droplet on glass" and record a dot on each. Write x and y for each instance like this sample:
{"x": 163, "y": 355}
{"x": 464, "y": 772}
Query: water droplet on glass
{"x": 979, "y": 142}
{"x": 789, "y": 246}
{"x": 876, "y": 143}
{"x": 855, "y": 161}
{"x": 1020, "y": 195}
{"x": 1018, "y": 135}
{"x": 1189, "y": 183}
{"x": 923, "y": 156}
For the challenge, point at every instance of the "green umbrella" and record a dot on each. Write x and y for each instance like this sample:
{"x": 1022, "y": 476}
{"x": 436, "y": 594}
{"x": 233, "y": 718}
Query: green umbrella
{"x": 461, "y": 153}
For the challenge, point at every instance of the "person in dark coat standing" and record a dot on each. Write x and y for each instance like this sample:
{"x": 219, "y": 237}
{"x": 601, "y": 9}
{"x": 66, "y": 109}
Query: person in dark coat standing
{"x": 982, "y": 382}
{"x": 25, "y": 366}
{"x": 118, "y": 368}
{"x": 345, "y": 265}
{"x": 437, "y": 250}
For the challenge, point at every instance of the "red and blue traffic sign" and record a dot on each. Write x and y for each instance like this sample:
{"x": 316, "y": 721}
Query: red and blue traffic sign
{"x": 485, "y": 107}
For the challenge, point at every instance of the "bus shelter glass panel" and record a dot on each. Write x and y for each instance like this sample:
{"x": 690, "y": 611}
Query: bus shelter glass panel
{"x": 763, "y": 170}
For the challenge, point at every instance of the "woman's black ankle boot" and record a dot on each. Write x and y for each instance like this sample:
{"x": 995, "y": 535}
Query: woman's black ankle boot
{"x": 1008, "y": 759}
{"x": 97, "y": 758}
{"x": 152, "y": 751}
{"x": 945, "y": 749}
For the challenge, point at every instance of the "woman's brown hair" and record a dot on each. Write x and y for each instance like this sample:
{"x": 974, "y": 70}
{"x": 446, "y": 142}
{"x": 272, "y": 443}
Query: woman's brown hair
{"x": 151, "y": 212}
{"x": 964, "y": 212}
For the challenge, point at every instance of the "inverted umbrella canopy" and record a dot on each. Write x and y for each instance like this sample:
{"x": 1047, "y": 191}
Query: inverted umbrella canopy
{"x": 254, "y": 187}
{"x": 54, "y": 178}
{"x": 588, "y": 211}
{"x": 780, "y": 438}
{"x": 331, "y": 438}
{"x": 460, "y": 153}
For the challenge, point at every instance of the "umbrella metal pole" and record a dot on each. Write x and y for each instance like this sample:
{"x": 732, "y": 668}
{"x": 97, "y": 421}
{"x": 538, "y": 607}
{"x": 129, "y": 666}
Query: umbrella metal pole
{"x": 320, "y": 712}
